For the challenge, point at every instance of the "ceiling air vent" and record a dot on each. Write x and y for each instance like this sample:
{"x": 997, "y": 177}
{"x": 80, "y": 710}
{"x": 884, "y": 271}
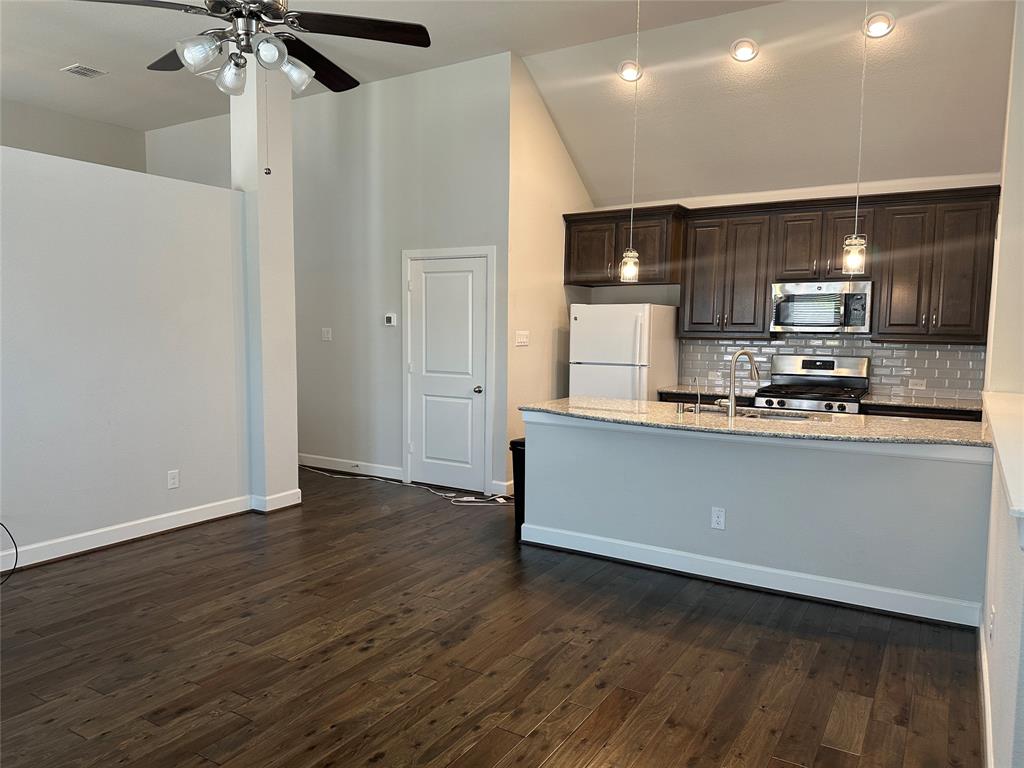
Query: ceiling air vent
{"x": 80, "y": 70}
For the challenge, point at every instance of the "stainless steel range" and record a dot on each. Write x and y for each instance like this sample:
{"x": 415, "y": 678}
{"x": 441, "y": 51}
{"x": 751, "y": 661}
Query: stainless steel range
{"x": 816, "y": 383}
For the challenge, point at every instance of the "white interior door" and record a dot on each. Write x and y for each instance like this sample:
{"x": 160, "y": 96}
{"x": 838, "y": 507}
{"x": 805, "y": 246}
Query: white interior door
{"x": 447, "y": 365}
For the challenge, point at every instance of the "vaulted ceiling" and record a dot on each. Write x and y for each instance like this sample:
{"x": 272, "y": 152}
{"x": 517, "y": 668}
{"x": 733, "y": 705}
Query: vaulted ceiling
{"x": 38, "y": 37}
{"x": 935, "y": 100}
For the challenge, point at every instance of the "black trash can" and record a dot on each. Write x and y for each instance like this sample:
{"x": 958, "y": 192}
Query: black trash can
{"x": 518, "y": 448}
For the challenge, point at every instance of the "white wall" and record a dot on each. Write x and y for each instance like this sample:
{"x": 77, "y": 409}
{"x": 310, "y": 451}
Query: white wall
{"x": 199, "y": 151}
{"x": 123, "y": 354}
{"x": 1004, "y": 588}
{"x": 543, "y": 184}
{"x": 419, "y": 161}
{"x": 54, "y": 133}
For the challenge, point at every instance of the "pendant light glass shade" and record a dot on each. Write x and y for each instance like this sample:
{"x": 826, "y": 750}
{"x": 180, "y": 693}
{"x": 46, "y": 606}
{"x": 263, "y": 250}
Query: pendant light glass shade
{"x": 299, "y": 75}
{"x": 198, "y": 52}
{"x": 855, "y": 254}
{"x": 629, "y": 267}
{"x": 270, "y": 52}
{"x": 231, "y": 78}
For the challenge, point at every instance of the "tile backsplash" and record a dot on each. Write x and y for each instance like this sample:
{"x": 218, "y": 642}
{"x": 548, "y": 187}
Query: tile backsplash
{"x": 946, "y": 371}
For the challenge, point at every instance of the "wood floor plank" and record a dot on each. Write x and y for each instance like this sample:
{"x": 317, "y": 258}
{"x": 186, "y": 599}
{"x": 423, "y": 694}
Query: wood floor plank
{"x": 376, "y": 625}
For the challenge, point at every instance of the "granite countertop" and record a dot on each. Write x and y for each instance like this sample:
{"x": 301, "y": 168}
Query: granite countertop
{"x": 907, "y": 401}
{"x": 816, "y": 426}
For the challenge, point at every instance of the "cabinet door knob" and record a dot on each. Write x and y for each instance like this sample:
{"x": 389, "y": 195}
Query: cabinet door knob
{"x": 726, "y": 319}
{"x": 828, "y": 265}
{"x": 718, "y": 319}
{"x": 935, "y": 318}
{"x": 814, "y": 266}
{"x": 924, "y": 318}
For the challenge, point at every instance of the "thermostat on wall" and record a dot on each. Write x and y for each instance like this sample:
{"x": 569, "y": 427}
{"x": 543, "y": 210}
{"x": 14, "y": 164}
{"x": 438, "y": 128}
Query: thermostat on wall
{"x": 390, "y": 319}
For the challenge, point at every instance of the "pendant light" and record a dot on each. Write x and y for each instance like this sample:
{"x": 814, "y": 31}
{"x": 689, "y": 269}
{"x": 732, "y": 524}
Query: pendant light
{"x": 855, "y": 248}
{"x": 629, "y": 267}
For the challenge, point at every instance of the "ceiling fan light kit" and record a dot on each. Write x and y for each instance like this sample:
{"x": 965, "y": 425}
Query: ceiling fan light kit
{"x": 250, "y": 32}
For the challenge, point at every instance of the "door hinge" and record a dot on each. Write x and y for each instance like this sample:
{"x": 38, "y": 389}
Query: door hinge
{"x": 410, "y": 366}
{"x": 409, "y": 286}
{"x": 410, "y": 446}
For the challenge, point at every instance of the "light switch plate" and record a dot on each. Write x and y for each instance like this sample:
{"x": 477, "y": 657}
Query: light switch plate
{"x": 522, "y": 338}
{"x": 173, "y": 480}
{"x": 326, "y": 334}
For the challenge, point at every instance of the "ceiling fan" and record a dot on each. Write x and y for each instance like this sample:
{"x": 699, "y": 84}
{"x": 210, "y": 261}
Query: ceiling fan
{"x": 250, "y": 32}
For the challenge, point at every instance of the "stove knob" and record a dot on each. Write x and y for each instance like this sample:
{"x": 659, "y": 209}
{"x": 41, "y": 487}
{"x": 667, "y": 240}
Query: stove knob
{"x": 769, "y": 402}
{"x": 781, "y": 403}
{"x": 841, "y": 407}
{"x": 828, "y": 406}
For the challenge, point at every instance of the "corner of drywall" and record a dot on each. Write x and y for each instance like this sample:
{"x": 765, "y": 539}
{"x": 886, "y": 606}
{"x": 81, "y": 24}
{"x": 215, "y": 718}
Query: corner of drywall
{"x": 543, "y": 184}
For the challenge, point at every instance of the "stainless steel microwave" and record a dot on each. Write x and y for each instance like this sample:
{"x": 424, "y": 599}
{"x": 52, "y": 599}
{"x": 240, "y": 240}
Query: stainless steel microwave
{"x": 832, "y": 307}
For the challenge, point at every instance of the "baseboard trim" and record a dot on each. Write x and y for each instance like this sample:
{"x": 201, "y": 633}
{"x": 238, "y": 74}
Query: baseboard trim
{"x": 985, "y": 683}
{"x": 501, "y": 488}
{"x": 933, "y": 607}
{"x": 78, "y": 543}
{"x": 355, "y": 467}
{"x": 275, "y": 502}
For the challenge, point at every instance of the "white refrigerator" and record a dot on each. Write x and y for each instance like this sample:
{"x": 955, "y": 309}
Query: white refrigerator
{"x": 624, "y": 351}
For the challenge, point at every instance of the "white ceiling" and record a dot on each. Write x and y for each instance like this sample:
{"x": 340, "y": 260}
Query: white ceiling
{"x": 935, "y": 100}
{"x": 38, "y": 37}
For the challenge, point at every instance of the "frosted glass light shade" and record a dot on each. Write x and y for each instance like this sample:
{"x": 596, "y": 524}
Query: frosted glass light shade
{"x": 270, "y": 52}
{"x": 197, "y": 52}
{"x": 630, "y": 71}
{"x": 629, "y": 267}
{"x": 855, "y": 254}
{"x": 231, "y": 78}
{"x": 879, "y": 24}
{"x": 299, "y": 75}
{"x": 744, "y": 49}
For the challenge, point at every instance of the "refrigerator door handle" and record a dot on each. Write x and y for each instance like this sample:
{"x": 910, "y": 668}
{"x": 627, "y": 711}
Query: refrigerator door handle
{"x": 638, "y": 325}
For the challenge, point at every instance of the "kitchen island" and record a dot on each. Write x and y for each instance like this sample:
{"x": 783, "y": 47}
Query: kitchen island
{"x": 884, "y": 512}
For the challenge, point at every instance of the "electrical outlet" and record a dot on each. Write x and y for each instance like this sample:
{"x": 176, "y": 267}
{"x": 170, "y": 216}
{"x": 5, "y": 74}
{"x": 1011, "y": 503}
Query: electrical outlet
{"x": 326, "y": 334}
{"x": 718, "y": 518}
{"x": 390, "y": 319}
{"x": 172, "y": 479}
{"x": 917, "y": 384}
{"x": 522, "y": 338}
{"x": 990, "y": 624}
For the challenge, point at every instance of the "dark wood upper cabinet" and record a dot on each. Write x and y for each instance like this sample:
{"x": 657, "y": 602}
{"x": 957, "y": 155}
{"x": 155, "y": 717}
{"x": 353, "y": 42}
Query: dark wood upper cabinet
{"x": 594, "y": 243}
{"x": 725, "y": 286}
{"x": 961, "y": 270}
{"x": 700, "y": 310}
{"x": 929, "y": 259}
{"x": 839, "y": 222}
{"x": 746, "y": 276}
{"x": 935, "y": 270}
{"x": 905, "y": 241}
{"x": 590, "y": 250}
{"x": 796, "y": 245}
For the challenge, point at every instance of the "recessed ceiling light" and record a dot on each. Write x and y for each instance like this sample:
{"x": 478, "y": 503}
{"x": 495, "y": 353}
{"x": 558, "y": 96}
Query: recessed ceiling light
{"x": 744, "y": 49}
{"x": 630, "y": 71}
{"x": 879, "y": 24}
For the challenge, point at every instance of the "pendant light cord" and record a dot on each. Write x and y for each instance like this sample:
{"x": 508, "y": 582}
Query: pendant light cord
{"x": 636, "y": 94}
{"x": 860, "y": 129}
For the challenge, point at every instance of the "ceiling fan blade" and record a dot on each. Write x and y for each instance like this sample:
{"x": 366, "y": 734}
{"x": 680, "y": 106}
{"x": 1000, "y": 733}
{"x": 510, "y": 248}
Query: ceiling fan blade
{"x": 157, "y": 4}
{"x": 324, "y": 70}
{"x": 401, "y": 32}
{"x": 169, "y": 62}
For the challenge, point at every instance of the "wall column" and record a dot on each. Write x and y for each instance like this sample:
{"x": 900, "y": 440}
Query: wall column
{"x": 261, "y": 137}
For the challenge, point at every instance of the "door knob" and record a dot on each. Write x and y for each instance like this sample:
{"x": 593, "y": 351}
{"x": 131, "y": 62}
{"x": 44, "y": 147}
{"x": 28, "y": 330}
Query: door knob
{"x": 478, "y": 389}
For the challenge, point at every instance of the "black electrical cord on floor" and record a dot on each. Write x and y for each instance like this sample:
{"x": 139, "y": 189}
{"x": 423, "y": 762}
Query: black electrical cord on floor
{"x": 10, "y": 572}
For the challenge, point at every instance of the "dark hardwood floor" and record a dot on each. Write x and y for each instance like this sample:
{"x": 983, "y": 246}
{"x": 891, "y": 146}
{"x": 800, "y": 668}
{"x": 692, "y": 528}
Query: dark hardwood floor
{"x": 380, "y": 626}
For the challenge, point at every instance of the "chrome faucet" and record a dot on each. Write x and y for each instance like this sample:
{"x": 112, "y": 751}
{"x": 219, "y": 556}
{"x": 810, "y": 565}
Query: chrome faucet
{"x": 755, "y": 375}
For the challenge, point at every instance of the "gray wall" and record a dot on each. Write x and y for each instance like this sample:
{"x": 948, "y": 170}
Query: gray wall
{"x": 24, "y": 126}
{"x": 123, "y": 352}
{"x": 199, "y": 151}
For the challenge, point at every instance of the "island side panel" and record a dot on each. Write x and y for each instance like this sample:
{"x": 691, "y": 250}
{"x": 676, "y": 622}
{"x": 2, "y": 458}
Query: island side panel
{"x": 801, "y": 515}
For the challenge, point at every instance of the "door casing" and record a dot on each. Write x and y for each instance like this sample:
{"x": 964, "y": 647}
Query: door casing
{"x": 490, "y": 253}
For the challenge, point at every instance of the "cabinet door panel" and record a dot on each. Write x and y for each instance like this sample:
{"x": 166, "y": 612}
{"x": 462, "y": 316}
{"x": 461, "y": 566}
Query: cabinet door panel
{"x": 746, "y": 276}
{"x": 905, "y": 250}
{"x": 796, "y": 244}
{"x": 591, "y": 253}
{"x": 650, "y": 239}
{"x": 961, "y": 268}
{"x": 700, "y": 310}
{"x": 839, "y": 224}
